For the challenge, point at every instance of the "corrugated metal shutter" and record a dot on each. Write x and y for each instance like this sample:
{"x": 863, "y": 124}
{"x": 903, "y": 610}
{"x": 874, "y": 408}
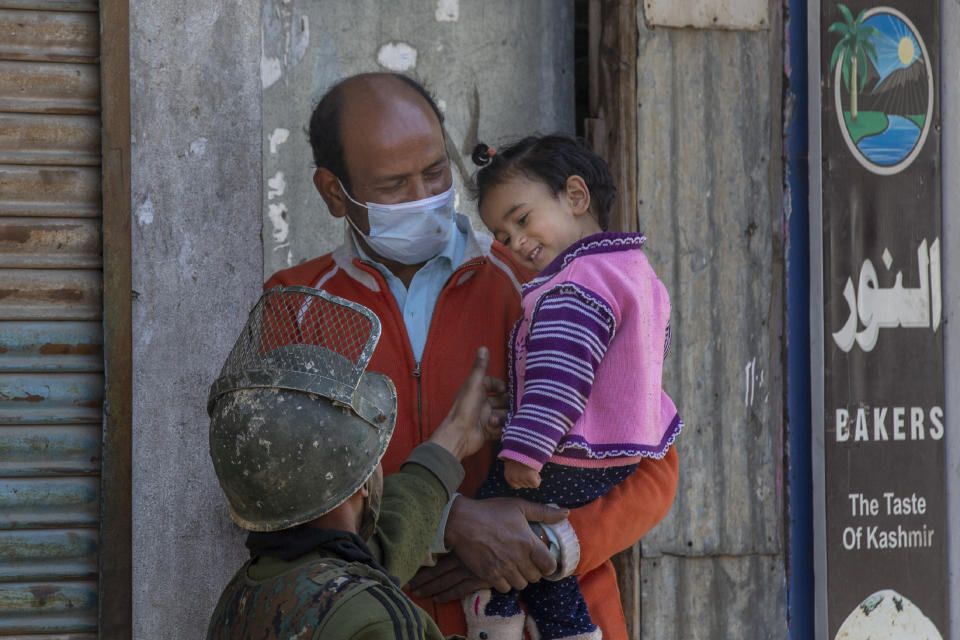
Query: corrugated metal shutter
{"x": 51, "y": 335}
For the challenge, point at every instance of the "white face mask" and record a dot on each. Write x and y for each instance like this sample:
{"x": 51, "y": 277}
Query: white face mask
{"x": 409, "y": 232}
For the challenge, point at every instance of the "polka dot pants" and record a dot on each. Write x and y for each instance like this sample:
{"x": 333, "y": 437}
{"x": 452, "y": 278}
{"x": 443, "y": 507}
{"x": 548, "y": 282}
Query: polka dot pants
{"x": 557, "y": 608}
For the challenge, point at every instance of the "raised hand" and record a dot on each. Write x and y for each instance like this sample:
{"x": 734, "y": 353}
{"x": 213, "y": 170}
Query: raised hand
{"x": 473, "y": 418}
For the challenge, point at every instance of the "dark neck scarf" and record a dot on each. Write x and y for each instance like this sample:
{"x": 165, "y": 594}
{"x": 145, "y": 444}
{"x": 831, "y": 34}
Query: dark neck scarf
{"x": 290, "y": 544}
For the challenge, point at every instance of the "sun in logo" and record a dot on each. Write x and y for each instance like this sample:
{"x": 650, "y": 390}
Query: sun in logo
{"x": 906, "y": 51}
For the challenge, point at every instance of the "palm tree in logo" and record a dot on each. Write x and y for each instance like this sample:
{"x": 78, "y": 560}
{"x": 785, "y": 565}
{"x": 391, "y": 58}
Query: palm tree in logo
{"x": 854, "y": 46}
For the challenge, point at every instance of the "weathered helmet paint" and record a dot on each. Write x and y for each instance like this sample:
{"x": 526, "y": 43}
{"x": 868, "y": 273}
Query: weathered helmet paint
{"x": 296, "y": 423}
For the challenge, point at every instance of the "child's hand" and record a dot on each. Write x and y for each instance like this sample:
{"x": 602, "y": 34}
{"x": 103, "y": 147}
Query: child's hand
{"x": 520, "y": 476}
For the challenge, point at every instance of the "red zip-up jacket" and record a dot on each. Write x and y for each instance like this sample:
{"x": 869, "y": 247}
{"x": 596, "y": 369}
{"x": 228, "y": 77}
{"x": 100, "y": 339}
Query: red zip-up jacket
{"x": 478, "y": 306}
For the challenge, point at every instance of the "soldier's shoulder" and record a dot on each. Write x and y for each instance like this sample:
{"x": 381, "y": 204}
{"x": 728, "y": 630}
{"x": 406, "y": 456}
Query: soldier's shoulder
{"x": 336, "y": 575}
{"x": 376, "y": 611}
{"x": 292, "y": 602}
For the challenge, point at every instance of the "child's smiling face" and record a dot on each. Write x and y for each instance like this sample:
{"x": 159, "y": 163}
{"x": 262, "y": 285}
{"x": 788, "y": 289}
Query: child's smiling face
{"x": 533, "y": 222}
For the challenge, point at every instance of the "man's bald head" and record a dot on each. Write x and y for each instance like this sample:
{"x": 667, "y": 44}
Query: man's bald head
{"x": 373, "y": 90}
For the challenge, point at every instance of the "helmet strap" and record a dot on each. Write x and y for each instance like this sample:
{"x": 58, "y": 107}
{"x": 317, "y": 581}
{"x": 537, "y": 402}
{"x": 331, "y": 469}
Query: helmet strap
{"x": 371, "y": 503}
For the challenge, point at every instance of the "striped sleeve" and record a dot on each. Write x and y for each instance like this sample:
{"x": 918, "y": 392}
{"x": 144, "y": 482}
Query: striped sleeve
{"x": 398, "y": 620}
{"x": 570, "y": 331}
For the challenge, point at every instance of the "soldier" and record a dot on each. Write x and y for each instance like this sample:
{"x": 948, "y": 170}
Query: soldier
{"x": 297, "y": 431}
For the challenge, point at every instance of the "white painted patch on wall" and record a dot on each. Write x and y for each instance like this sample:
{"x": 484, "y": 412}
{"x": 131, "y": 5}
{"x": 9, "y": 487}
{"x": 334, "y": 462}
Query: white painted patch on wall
{"x": 270, "y": 70}
{"x": 276, "y": 186}
{"x": 301, "y": 40}
{"x": 198, "y": 147}
{"x": 753, "y": 381}
{"x": 277, "y": 138}
{"x": 185, "y": 253}
{"x": 448, "y": 10}
{"x": 277, "y": 214}
{"x": 286, "y": 245}
{"x": 397, "y": 56}
{"x": 442, "y": 105}
{"x": 145, "y": 213}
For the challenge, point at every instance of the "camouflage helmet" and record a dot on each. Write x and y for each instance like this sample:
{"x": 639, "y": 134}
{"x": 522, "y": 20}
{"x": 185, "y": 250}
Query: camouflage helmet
{"x": 296, "y": 424}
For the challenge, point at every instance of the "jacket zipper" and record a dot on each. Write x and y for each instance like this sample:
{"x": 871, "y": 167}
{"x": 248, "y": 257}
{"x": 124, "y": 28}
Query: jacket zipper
{"x": 416, "y": 370}
{"x": 416, "y": 374}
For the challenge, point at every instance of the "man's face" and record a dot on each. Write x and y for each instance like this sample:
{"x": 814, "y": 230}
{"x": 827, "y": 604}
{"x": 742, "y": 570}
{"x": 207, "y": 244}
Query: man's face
{"x": 394, "y": 152}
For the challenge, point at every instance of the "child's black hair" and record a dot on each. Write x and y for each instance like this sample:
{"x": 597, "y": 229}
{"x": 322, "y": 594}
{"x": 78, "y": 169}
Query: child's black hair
{"x": 551, "y": 160}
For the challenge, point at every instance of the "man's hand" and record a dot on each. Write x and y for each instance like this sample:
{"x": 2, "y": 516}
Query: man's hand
{"x": 447, "y": 580}
{"x": 493, "y": 539}
{"x": 475, "y": 417}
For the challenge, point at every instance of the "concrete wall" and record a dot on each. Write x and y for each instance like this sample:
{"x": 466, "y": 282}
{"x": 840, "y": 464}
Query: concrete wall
{"x": 197, "y": 267}
{"x": 498, "y": 68}
{"x": 709, "y": 200}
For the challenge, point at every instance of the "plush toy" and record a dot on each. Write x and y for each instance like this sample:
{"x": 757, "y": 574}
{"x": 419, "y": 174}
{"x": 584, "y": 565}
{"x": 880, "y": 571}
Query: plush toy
{"x": 488, "y": 625}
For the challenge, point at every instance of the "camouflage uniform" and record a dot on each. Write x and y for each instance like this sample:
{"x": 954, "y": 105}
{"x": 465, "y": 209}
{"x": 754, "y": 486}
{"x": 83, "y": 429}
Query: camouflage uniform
{"x": 322, "y": 596}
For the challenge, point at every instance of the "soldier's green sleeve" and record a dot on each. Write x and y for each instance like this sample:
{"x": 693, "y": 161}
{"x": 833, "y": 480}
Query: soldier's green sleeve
{"x": 413, "y": 501}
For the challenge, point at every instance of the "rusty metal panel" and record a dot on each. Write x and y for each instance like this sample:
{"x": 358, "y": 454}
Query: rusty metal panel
{"x": 51, "y": 346}
{"x": 27, "y": 138}
{"x": 54, "y": 554}
{"x": 51, "y": 339}
{"x": 43, "y": 503}
{"x": 32, "y": 607}
{"x": 50, "y": 294}
{"x": 49, "y": 450}
{"x": 708, "y": 14}
{"x": 706, "y": 202}
{"x": 47, "y": 36}
{"x": 45, "y": 87}
{"x": 742, "y": 597}
{"x": 708, "y": 199}
{"x": 51, "y": 5}
{"x": 62, "y": 636}
{"x": 45, "y": 398}
{"x": 39, "y": 191}
{"x": 53, "y": 243}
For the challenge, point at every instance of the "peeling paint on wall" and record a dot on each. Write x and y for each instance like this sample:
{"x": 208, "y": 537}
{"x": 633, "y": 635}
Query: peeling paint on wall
{"x": 301, "y": 40}
{"x": 270, "y": 71}
{"x": 397, "y": 56}
{"x": 277, "y": 138}
{"x": 145, "y": 213}
{"x": 198, "y": 147}
{"x": 276, "y": 186}
{"x": 448, "y": 10}
{"x": 278, "y": 217}
{"x": 285, "y": 37}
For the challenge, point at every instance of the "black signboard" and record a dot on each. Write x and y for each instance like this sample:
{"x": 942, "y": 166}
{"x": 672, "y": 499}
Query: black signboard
{"x": 884, "y": 445}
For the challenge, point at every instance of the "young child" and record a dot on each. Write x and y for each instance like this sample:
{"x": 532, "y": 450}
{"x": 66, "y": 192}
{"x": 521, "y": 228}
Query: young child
{"x": 586, "y": 358}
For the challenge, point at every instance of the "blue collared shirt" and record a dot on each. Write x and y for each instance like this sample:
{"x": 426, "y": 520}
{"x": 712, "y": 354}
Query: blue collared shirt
{"x": 417, "y": 303}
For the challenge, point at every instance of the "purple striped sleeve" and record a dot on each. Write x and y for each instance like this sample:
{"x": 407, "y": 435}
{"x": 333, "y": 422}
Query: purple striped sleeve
{"x": 570, "y": 331}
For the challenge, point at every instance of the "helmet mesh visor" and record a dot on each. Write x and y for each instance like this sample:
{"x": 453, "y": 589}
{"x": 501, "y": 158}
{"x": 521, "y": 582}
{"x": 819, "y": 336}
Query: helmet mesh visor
{"x": 301, "y": 335}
